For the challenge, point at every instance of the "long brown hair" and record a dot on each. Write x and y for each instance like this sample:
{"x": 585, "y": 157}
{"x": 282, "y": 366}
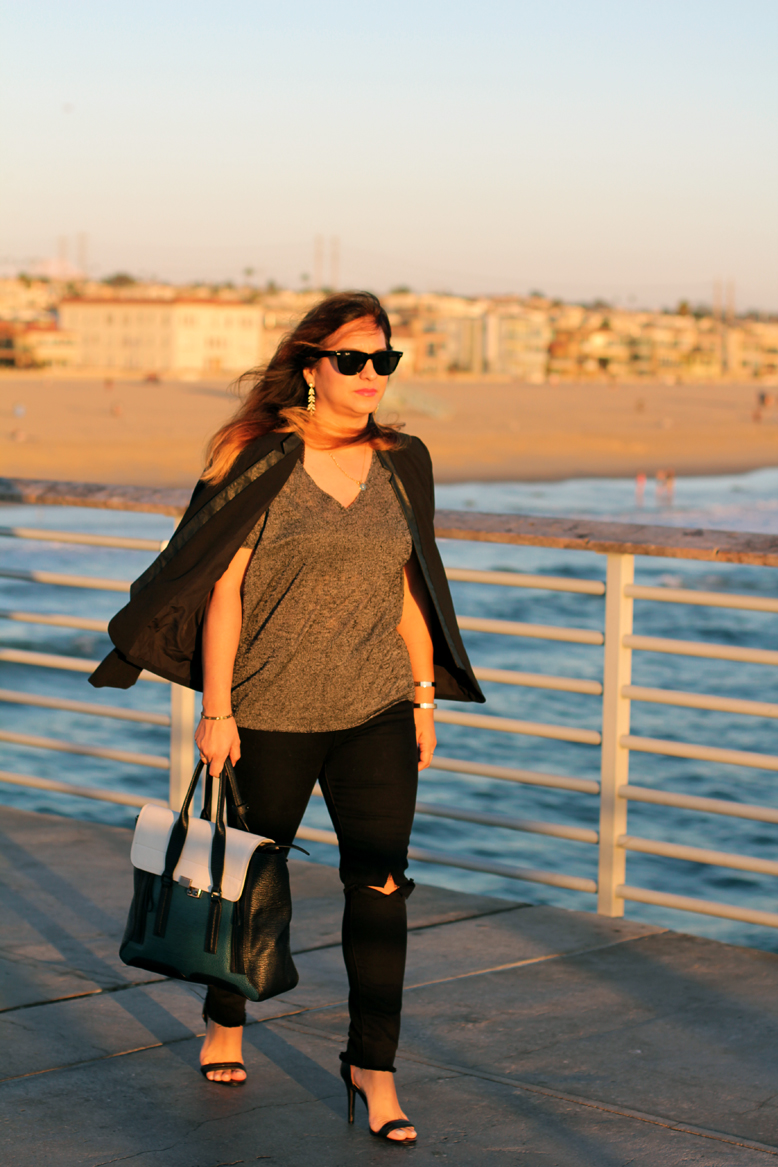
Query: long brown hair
{"x": 278, "y": 393}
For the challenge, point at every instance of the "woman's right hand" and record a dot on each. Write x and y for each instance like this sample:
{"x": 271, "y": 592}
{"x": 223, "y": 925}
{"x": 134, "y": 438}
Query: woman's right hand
{"x": 217, "y": 741}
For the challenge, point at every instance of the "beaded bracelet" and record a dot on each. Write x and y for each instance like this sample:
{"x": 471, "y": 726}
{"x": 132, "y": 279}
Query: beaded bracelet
{"x": 204, "y": 717}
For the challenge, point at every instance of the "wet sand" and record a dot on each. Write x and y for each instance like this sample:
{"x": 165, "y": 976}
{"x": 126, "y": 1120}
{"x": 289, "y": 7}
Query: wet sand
{"x": 77, "y": 428}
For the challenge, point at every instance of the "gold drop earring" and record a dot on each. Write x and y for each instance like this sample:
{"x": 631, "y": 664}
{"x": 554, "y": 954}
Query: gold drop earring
{"x": 311, "y": 397}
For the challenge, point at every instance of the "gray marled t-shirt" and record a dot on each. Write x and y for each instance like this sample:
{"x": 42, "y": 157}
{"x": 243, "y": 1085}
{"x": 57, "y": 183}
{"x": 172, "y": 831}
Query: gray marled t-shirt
{"x": 322, "y": 597}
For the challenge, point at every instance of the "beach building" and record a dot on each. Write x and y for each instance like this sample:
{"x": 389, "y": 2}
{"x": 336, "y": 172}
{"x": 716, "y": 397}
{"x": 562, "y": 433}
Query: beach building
{"x": 440, "y": 334}
{"x": 36, "y": 346}
{"x": 280, "y": 312}
{"x": 46, "y": 346}
{"x": 179, "y": 336}
{"x": 517, "y": 338}
{"x": 751, "y": 349}
{"x": 444, "y": 334}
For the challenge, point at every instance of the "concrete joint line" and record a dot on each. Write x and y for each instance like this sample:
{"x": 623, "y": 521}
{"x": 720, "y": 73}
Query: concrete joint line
{"x": 91, "y": 1061}
{"x": 474, "y": 916}
{"x": 425, "y": 927}
{"x": 575, "y": 1099}
{"x": 534, "y": 960}
{"x": 610, "y": 1108}
{"x": 87, "y": 993}
{"x": 124, "y": 1053}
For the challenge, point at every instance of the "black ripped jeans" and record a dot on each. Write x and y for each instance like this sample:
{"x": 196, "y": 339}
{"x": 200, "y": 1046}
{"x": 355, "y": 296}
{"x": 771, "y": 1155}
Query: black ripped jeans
{"x": 368, "y": 776}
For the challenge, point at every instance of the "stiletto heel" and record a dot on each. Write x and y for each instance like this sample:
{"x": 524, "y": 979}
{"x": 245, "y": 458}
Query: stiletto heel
{"x": 351, "y": 1090}
{"x": 396, "y": 1124}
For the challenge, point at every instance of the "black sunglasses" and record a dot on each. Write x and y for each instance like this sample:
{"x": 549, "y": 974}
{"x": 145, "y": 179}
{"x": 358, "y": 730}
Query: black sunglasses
{"x": 350, "y": 362}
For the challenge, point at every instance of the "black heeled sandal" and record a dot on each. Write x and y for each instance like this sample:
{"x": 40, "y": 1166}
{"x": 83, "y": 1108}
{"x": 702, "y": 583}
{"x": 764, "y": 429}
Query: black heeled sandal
{"x": 206, "y": 1069}
{"x": 208, "y": 1066}
{"x": 396, "y": 1124}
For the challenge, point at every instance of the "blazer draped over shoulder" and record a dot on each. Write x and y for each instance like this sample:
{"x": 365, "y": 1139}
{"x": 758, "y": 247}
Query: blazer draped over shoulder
{"x": 160, "y": 629}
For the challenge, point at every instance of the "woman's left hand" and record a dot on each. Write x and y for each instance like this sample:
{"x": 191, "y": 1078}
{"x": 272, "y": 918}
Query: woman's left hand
{"x": 425, "y": 735}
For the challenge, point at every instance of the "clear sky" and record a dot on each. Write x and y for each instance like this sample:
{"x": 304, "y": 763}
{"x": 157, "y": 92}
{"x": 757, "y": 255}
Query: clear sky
{"x": 616, "y": 148}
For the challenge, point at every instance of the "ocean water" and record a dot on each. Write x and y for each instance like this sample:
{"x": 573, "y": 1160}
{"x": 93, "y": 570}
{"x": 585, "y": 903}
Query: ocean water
{"x": 740, "y": 502}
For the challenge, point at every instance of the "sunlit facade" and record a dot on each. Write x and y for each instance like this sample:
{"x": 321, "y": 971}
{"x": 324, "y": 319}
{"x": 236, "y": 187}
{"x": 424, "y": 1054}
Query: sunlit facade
{"x": 159, "y": 337}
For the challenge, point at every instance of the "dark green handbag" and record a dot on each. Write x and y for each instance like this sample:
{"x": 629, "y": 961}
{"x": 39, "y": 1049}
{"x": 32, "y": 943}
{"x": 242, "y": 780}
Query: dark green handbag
{"x": 211, "y": 902}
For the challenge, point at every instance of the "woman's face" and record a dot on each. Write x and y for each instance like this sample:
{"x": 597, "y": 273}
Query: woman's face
{"x": 341, "y": 397}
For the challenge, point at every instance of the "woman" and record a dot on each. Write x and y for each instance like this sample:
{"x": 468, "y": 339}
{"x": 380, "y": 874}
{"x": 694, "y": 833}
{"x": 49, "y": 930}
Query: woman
{"x": 304, "y": 594}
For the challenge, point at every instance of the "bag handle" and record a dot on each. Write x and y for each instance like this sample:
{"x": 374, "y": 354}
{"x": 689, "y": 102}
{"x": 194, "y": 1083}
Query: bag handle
{"x": 233, "y": 796}
{"x": 239, "y": 807}
{"x": 218, "y": 852}
{"x": 205, "y": 813}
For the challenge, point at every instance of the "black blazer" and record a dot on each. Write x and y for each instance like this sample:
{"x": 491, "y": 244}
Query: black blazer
{"x": 160, "y": 629}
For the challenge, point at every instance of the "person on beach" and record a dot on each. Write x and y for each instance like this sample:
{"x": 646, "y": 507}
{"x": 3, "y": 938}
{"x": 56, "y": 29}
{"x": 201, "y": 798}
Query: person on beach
{"x": 304, "y": 593}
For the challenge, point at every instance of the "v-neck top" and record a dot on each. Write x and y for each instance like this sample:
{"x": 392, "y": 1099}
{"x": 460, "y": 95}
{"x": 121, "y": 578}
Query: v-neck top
{"x": 319, "y": 648}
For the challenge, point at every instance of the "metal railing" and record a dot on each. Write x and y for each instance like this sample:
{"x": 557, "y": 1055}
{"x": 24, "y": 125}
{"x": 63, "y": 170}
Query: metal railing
{"x": 618, "y": 544}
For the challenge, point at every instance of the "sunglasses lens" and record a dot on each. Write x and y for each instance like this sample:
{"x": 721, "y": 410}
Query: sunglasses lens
{"x": 386, "y": 362}
{"x": 351, "y": 363}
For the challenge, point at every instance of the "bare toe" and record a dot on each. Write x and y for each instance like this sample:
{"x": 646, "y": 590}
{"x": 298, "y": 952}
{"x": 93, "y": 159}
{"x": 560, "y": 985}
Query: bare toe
{"x": 402, "y": 1135}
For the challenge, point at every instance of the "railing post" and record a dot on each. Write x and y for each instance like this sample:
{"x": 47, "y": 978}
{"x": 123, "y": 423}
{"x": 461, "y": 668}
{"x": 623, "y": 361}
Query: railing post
{"x": 614, "y": 773}
{"x": 182, "y": 727}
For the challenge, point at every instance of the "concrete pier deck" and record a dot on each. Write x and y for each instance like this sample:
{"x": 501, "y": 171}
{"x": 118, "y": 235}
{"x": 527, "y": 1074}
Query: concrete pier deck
{"x": 531, "y": 1035}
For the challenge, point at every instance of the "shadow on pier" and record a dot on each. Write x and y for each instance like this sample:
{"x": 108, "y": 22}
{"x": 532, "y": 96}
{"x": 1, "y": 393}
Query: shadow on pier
{"x": 531, "y": 1035}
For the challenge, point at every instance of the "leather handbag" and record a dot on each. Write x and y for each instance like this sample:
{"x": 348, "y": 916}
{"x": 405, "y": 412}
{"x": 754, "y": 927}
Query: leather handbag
{"x": 211, "y": 902}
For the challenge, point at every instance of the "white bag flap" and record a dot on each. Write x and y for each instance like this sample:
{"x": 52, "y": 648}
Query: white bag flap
{"x": 151, "y": 838}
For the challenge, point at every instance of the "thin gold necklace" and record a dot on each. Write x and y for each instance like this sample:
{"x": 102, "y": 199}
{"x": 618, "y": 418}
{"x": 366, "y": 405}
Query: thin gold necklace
{"x": 361, "y": 483}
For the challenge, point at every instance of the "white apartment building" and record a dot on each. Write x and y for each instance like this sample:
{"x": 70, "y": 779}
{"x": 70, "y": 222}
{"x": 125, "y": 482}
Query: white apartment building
{"x": 516, "y": 342}
{"x": 178, "y": 336}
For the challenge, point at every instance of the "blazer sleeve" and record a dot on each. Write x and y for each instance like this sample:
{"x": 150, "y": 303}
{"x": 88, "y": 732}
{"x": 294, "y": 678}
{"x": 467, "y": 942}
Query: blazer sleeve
{"x": 454, "y": 675}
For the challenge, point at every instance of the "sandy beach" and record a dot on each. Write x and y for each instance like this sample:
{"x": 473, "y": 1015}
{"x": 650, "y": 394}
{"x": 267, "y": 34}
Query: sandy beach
{"x": 81, "y": 428}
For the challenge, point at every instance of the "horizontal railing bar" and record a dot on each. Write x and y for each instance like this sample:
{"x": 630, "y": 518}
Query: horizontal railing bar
{"x": 507, "y": 774}
{"x": 531, "y": 826}
{"x": 651, "y": 745}
{"x": 700, "y": 701}
{"x": 316, "y": 835}
{"x": 68, "y": 581}
{"x": 49, "y": 743}
{"x": 756, "y": 656}
{"x": 55, "y": 621}
{"x": 591, "y": 535}
{"x": 532, "y": 631}
{"x": 43, "y": 492}
{"x": 539, "y": 681}
{"x": 561, "y": 733}
{"x": 529, "y": 874}
{"x": 71, "y": 664}
{"x": 642, "y": 895}
{"x": 47, "y": 660}
{"x": 551, "y": 878}
{"x": 80, "y": 791}
{"x": 698, "y": 855}
{"x": 738, "y": 810}
{"x": 510, "y": 579}
{"x": 17, "y": 697}
{"x": 708, "y": 599}
{"x": 606, "y": 537}
{"x": 83, "y": 538}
